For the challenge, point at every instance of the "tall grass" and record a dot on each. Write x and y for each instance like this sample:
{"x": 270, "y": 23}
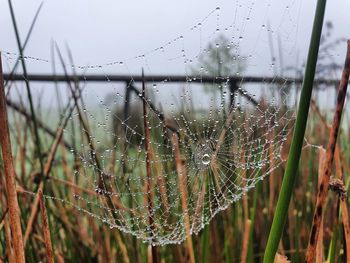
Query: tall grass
{"x": 77, "y": 237}
{"x": 29, "y": 93}
{"x": 238, "y": 233}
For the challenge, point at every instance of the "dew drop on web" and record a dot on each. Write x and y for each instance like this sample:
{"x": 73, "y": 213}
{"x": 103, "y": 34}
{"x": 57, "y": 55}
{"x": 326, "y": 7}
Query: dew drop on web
{"x": 206, "y": 159}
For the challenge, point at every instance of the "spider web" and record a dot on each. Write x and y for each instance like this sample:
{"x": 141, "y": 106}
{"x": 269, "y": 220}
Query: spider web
{"x": 160, "y": 164}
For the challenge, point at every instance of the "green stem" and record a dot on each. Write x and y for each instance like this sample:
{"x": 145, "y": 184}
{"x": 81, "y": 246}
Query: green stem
{"x": 333, "y": 243}
{"x": 205, "y": 245}
{"x": 290, "y": 174}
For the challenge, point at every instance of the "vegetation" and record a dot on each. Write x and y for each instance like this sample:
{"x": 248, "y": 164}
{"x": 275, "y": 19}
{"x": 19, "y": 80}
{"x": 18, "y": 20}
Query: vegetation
{"x": 50, "y": 163}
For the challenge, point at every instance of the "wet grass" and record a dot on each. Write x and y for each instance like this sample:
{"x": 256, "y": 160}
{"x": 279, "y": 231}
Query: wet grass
{"x": 77, "y": 237}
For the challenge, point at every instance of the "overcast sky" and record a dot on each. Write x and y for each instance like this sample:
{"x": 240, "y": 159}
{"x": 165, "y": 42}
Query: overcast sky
{"x": 103, "y": 31}
{"x": 100, "y": 32}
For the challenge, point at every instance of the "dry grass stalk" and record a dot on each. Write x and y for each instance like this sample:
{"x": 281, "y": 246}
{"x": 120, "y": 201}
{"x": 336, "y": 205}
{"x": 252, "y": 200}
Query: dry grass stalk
{"x": 245, "y": 241}
{"x": 149, "y": 254}
{"x": 327, "y": 166}
{"x": 9, "y": 245}
{"x": 47, "y": 169}
{"x": 59, "y": 257}
{"x": 181, "y": 171}
{"x": 9, "y": 252}
{"x": 199, "y": 205}
{"x": 281, "y": 259}
{"x": 339, "y": 161}
{"x": 76, "y": 95}
{"x": 3, "y": 217}
{"x": 10, "y": 175}
{"x": 161, "y": 182}
{"x": 79, "y": 189}
{"x": 22, "y": 155}
{"x": 46, "y": 229}
{"x": 148, "y": 185}
{"x": 345, "y": 219}
{"x": 221, "y": 140}
{"x": 343, "y": 204}
{"x": 247, "y": 222}
{"x": 106, "y": 242}
{"x": 122, "y": 247}
{"x": 18, "y": 127}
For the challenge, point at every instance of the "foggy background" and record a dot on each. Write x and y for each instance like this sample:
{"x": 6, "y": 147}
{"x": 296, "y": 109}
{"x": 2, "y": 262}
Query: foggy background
{"x": 136, "y": 33}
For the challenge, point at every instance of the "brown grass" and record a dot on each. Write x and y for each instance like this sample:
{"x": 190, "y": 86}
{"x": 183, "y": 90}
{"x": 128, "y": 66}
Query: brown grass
{"x": 10, "y": 175}
{"x": 327, "y": 165}
{"x": 182, "y": 174}
{"x": 46, "y": 229}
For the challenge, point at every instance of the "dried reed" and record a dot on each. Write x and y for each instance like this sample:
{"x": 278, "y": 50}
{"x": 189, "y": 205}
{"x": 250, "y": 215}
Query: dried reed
{"x": 46, "y": 229}
{"x": 182, "y": 174}
{"x": 327, "y": 166}
{"x": 10, "y": 175}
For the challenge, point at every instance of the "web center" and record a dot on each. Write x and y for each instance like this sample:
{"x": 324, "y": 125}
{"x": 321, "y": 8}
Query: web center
{"x": 205, "y": 159}
{"x": 202, "y": 155}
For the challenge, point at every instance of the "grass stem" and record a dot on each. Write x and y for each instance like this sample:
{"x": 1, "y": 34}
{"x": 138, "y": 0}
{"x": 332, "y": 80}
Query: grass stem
{"x": 289, "y": 179}
{"x": 46, "y": 229}
{"x": 10, "y": 175}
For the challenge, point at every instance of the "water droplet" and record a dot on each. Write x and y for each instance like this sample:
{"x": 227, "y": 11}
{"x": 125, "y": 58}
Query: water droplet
{"x": 206, "y": 159}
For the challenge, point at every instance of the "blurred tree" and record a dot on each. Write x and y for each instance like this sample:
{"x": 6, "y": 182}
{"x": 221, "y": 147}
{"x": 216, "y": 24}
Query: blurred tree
{"x": 220, "y": 58}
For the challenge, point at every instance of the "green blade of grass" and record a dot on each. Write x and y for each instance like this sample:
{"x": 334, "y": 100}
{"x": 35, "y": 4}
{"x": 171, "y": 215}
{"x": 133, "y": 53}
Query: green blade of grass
{"x": 298, "y": 137}
{"x": 333, "y": 243}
